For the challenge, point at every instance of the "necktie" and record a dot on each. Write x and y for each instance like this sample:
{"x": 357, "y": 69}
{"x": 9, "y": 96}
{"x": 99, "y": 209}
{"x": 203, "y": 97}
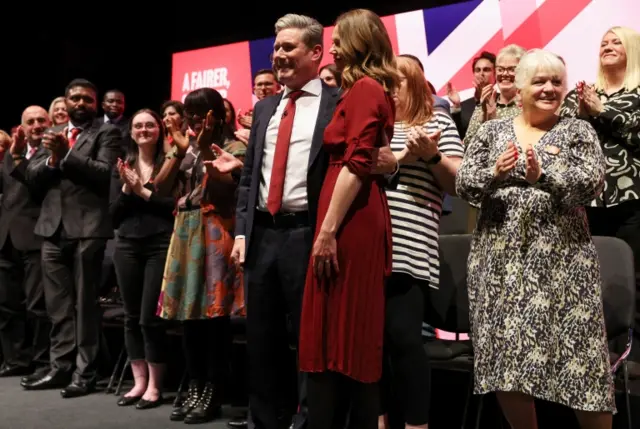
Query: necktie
{"x": 279, "y": 169}
{"x": 32, "y": 150}
{"x": 74, "y": 136}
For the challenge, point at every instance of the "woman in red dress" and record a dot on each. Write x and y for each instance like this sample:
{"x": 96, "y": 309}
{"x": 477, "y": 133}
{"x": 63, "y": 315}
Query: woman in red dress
{"x": 342, "y": 323}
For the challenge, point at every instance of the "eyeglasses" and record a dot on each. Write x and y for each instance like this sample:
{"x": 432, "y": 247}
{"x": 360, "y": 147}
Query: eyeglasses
{"x": 505, "y": 70}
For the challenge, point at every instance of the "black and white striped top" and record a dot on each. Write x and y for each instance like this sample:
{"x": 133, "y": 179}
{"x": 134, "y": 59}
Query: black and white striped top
{"x": 416, "y": 204}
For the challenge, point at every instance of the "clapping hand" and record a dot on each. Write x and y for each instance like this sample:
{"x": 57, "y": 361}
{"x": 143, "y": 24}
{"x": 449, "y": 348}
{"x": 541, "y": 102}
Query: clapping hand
{"x": 506, "y": 162}
{"x": 205, "y": 137}
{"x": 421, "y": 144}
{"x": 589, "y": 101}
{"x": 56, "y": 143}
{"x": 18, "y": 142}
{"x": 180, "y": 138}
{"x": 488, "y": 102}
{"x": 130, "y": 178}
{"x": 453, "y": 95}
{"x": 533, "y": 166}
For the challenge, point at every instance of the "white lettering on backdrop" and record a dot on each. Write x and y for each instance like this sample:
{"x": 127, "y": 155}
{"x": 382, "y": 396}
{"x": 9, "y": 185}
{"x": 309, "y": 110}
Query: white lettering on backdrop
{"x": 211, "y": 78}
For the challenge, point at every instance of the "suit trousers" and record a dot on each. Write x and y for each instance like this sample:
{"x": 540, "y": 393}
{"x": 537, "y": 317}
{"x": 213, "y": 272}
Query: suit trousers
{"x": 275, "y": 273}
{"x": 71, "y": 275}
{"x": 24, "y": 326}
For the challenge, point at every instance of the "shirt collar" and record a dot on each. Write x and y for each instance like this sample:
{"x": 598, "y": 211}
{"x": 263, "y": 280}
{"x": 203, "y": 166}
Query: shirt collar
{"x": 313, "y": 87}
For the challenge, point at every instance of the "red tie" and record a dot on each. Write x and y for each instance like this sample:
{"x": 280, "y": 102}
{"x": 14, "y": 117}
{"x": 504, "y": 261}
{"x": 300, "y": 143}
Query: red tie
{"x": 32, "y": 150}
{"x": 279, "y": 169}
{"x": 74, "y": 136}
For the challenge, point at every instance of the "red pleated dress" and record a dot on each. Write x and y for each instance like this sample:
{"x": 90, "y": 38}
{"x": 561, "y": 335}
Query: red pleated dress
{"x": 342, "y": 321}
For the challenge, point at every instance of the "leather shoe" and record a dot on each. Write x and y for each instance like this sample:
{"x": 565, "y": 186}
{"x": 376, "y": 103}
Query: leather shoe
{"x": 143, "y": 404}
{"x": 77, "y": 389}
{"x": 14, "y": 370}
{"x": 37, "y": 374}
{"x": 51, "y": 380}
{"x": 238, "y": 422}
{"x": 126, "y": 401}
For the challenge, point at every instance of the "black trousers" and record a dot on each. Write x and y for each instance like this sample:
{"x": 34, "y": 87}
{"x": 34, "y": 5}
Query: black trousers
{"x": 275, "y": 273}
{"x": 139, "y": 265}
{"x": 207, "y": 349}
{"x": 622, "y": 221}
{"x": 333, "y": 396}
{"x": 71, "y": 276}
{"x": 24, "y": 325}
{"x": 406, "y": 383}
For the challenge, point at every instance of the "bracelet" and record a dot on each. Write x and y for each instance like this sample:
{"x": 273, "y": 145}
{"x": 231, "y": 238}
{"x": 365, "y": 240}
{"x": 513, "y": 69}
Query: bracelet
{"x": 17, "y": 157}
{"x": 174, "y": 154}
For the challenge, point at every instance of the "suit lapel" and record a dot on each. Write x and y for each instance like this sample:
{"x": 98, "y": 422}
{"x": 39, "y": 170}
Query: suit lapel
{"x": 262, "y": 125}
{"x": 86, "y": 134}
{"x": 325, "y": 112}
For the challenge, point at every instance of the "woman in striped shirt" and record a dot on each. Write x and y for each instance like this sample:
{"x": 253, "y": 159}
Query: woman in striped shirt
{"x": 429, "y": 150}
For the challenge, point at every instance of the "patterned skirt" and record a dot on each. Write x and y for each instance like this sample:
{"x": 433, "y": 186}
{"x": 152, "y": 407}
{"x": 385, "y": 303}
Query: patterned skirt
{"x": 200, "y": 280}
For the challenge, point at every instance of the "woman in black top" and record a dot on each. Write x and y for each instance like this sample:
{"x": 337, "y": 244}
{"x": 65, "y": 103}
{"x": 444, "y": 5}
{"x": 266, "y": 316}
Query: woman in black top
{"x": 144, "y": 223}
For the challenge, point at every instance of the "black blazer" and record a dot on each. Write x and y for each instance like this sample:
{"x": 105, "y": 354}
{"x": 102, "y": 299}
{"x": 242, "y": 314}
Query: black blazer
{"x": 77, "y": 192}
{"x": 463, "y": 117}
{"x": 20, "y": 207}
{"x": 249, "y": 185}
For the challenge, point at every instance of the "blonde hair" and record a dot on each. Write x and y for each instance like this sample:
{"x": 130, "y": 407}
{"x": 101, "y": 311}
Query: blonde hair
{"x": 536, "y": 60}
{"x": 53, "y": 104}
{"x": 5, "y": 139}
{"x": 366, "y": 49}
{"x": 418, "y": 107}
{"x": 631, "y": 42}
{"x": 512, "y": 50}
{"x": 312, "y": 30}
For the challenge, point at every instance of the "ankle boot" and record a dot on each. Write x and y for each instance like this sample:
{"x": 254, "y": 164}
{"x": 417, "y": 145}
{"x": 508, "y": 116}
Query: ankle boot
{"x": 207, "y": 409}
{"x": 193, "y": 397}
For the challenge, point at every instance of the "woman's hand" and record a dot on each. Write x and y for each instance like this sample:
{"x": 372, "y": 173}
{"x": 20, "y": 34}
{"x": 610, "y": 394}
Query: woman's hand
{"x": 180, "y": 139}
{"x": 130, "y": 178}
{"x": 488, "y": 101}
{"x": 205, "y": 137}
{"x": 591, "y": 104}
{"x": 325, "y": 255}
{"x": 421, "y": 144}
{"x": 121, "y": 165}
{"x": 224, "y": 162}
{"x": 506, "y": 162}
{"x": 533, "y": 166}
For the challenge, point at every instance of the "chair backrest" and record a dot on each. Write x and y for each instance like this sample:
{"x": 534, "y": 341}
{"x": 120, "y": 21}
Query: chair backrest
{"x": 617, "y": 271}
{"x": 448, "y": 307}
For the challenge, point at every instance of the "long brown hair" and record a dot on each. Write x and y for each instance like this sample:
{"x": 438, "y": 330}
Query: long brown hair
{"x": 366, "y": 49}
{"x": 418, "y": 104}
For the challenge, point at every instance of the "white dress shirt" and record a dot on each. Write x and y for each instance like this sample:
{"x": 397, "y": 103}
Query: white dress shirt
{"x": 294, "y": 195}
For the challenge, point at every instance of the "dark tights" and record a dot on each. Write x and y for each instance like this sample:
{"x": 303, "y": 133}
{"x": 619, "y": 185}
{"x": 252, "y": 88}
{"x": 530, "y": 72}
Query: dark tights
{"x": 328, "y": 393}
{"x": 206, "y": 345}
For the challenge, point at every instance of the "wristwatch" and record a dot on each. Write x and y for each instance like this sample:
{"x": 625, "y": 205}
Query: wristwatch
{"x": 435, "y": 159}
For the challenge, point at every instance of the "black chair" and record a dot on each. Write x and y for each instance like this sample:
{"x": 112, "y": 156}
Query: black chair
{"x": 448, "y": 310}
{"x": 617, "y": 271}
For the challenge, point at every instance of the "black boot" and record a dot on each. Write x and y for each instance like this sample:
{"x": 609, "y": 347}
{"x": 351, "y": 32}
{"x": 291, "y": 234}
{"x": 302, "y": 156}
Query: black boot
{"x": 207, "y": 409}
{"x": 193, "y": 397}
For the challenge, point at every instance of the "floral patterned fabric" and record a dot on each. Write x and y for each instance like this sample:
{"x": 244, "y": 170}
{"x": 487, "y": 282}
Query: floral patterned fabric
{"x": 533, "y": 272}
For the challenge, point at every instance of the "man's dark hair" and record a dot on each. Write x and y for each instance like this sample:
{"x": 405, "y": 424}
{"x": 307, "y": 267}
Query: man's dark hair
{"x": 414, "y": 58}
{"x": 84, "y": 83}
{"x": 484, "y": 55}
{"x": 113, "y": 91}
{"x": 265, "y": 71}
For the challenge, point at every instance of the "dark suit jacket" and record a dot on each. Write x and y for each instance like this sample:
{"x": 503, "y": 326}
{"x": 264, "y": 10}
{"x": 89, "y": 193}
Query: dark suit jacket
{"x": 77, "y": 191}
{"x": 463, "y": 117}
{"x": 249, "y": 185}
{"x": 20, "y": 206}
{"x": 123, "y": 126}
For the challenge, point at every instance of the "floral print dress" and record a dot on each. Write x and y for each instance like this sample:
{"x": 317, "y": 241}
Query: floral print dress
{"x": 534, "y": 288}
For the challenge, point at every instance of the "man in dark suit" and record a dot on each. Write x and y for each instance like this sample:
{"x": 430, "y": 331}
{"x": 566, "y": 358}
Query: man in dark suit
{"x": 275, "y": 218}
{"x": 74, "y": 164}
{"x": 484, "y": 73}
{"x": 24, "y": 328}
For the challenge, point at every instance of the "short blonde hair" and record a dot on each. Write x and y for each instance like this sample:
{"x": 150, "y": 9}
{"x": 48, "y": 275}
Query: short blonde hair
{"x": 631, "y": 42}
{"x": 366, "y": 49}
{"x": 539, "y": 60}
{"x": 5, "y": 139}
{"x": 512, "y": 50}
